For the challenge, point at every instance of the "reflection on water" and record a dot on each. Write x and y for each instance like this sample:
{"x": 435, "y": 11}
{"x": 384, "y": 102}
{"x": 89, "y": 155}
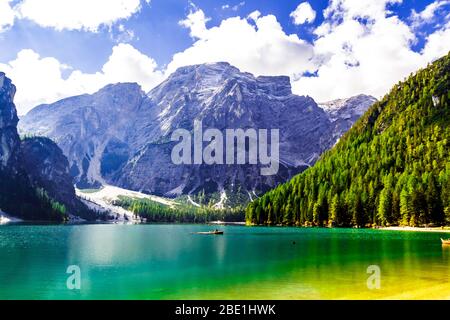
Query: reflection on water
{"x": 169, "y": 262}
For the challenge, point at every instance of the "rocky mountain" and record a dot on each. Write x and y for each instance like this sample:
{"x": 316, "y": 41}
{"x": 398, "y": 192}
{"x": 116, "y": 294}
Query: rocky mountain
{"x": 92, "y": 130}
{"x": 35, "y": 183}
{"x": 48, "y": 168}
{"x": 122, "y": 136}
{"x": 343, "y": 113}
{"x": 9, "y": 139}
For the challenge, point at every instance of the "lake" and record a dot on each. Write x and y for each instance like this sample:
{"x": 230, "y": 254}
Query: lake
{"x": 160, "y": 261}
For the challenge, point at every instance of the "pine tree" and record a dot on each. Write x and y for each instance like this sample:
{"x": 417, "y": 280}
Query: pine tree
{"x": 385, "y": 207}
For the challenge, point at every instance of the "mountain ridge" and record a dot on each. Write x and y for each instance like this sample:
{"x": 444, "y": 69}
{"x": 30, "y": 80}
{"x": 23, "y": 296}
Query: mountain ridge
{"x": 121, "y": 137}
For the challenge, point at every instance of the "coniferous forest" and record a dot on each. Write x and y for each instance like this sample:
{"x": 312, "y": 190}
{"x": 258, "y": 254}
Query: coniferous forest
{"x": 391, "y": 168}
{"x": 18, "y": 196}
{"x": 182, "y": 213}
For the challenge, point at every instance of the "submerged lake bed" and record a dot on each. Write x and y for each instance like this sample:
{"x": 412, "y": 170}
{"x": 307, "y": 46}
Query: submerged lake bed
{"x": 164, "y": 261}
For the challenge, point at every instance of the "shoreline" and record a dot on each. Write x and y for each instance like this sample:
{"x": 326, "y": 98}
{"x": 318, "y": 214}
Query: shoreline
{"x": 417, "y": 229}
{"x": 8, "y": 219}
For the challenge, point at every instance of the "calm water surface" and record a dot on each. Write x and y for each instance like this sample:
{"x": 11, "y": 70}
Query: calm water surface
{"x": 169, "y": 262}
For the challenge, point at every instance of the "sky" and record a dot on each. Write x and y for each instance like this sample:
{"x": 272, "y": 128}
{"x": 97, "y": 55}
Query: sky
{"x": 331, "y": 49}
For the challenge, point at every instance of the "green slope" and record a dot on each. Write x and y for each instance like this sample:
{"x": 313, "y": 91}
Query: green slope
{"x": 391, "y": 168}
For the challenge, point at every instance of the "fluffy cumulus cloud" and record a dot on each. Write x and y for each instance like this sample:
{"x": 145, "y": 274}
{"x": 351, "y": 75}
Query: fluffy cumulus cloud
{"x": 361, "y": 47}
{"x": 127, "y": 64}
{"x": 196, "y": 22}
{"x": 86, "y": 15}
{"x": 255, "y": 44}
{"x": 6, "y": 15}
{"x": 438, "y": 44}
{"x": 41, "y": 79}
{"x": 304, "y": 13}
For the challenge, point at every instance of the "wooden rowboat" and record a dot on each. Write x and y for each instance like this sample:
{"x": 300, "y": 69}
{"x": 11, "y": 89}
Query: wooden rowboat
{"x": 215, "y": 232}
{"x": 445, "y": 241}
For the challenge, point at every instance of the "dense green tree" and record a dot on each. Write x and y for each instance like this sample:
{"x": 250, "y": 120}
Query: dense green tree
{"x": 385, "y": 207}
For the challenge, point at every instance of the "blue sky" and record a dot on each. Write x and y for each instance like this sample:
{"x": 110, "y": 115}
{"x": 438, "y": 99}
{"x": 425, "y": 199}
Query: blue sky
{"x": 81, "y": 45}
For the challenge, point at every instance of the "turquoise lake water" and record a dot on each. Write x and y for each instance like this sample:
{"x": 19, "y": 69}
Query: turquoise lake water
{"x": 169, "y": 262}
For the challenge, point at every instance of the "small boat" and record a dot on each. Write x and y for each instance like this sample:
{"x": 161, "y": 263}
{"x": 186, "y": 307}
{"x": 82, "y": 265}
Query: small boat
{"x": 445, "y": 241}
{"x": 215, "y": 232}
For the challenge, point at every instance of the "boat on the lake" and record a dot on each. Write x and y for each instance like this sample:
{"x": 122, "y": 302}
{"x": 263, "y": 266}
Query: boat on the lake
{"x": 215, "y": 232}
{"x": 445, "y": 241}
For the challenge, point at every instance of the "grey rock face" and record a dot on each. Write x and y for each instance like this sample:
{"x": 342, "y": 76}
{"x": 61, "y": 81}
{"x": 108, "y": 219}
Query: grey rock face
{"x": 32, "y": 163}
{"x": 9, "y": 139}
{"x": 121, "y": 136}
{"x": 221, "y": 97}
{"x": 343, "y": 113}
{"x": 48, "y": 168}
{"x": 92, "y": 130}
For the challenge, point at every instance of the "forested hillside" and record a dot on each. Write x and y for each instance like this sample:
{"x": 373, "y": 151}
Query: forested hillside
{"x": 391, "y": 168}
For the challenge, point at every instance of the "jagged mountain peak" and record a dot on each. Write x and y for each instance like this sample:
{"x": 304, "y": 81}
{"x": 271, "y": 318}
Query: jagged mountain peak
{"x": 121, "y": 86}
{"x": 7, "y": 88}
{"x": 220, "y": 66}
{"x": 337, "y": 104}
{"x": 113, "y": 97}
{"x": 344, "y": 112}
{"x": 121, "y": 137}
{"x": 9, "y": 139}
{"x": 207, "y": 79}
{"x": 210, "y": 75}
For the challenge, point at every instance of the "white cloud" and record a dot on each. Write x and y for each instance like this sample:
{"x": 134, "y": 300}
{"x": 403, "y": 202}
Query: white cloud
{"x": 438, "y": 44}
{"x": 360, "y": 59}
{"x": 86, "y": 15}
{"x": 261, "y": 47}
{"x": 196, "y": 22}
{"x": 40, "y": 79}
{"x": 355, "y": 57}
{"x": 304, "y": 13}
{"x": 254, "y": 15}
{"x": 348, "y": 9}
{"x": 127, "y": 64}
{"x": 428, "y": 14}
{"x": 6, "y": 15}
